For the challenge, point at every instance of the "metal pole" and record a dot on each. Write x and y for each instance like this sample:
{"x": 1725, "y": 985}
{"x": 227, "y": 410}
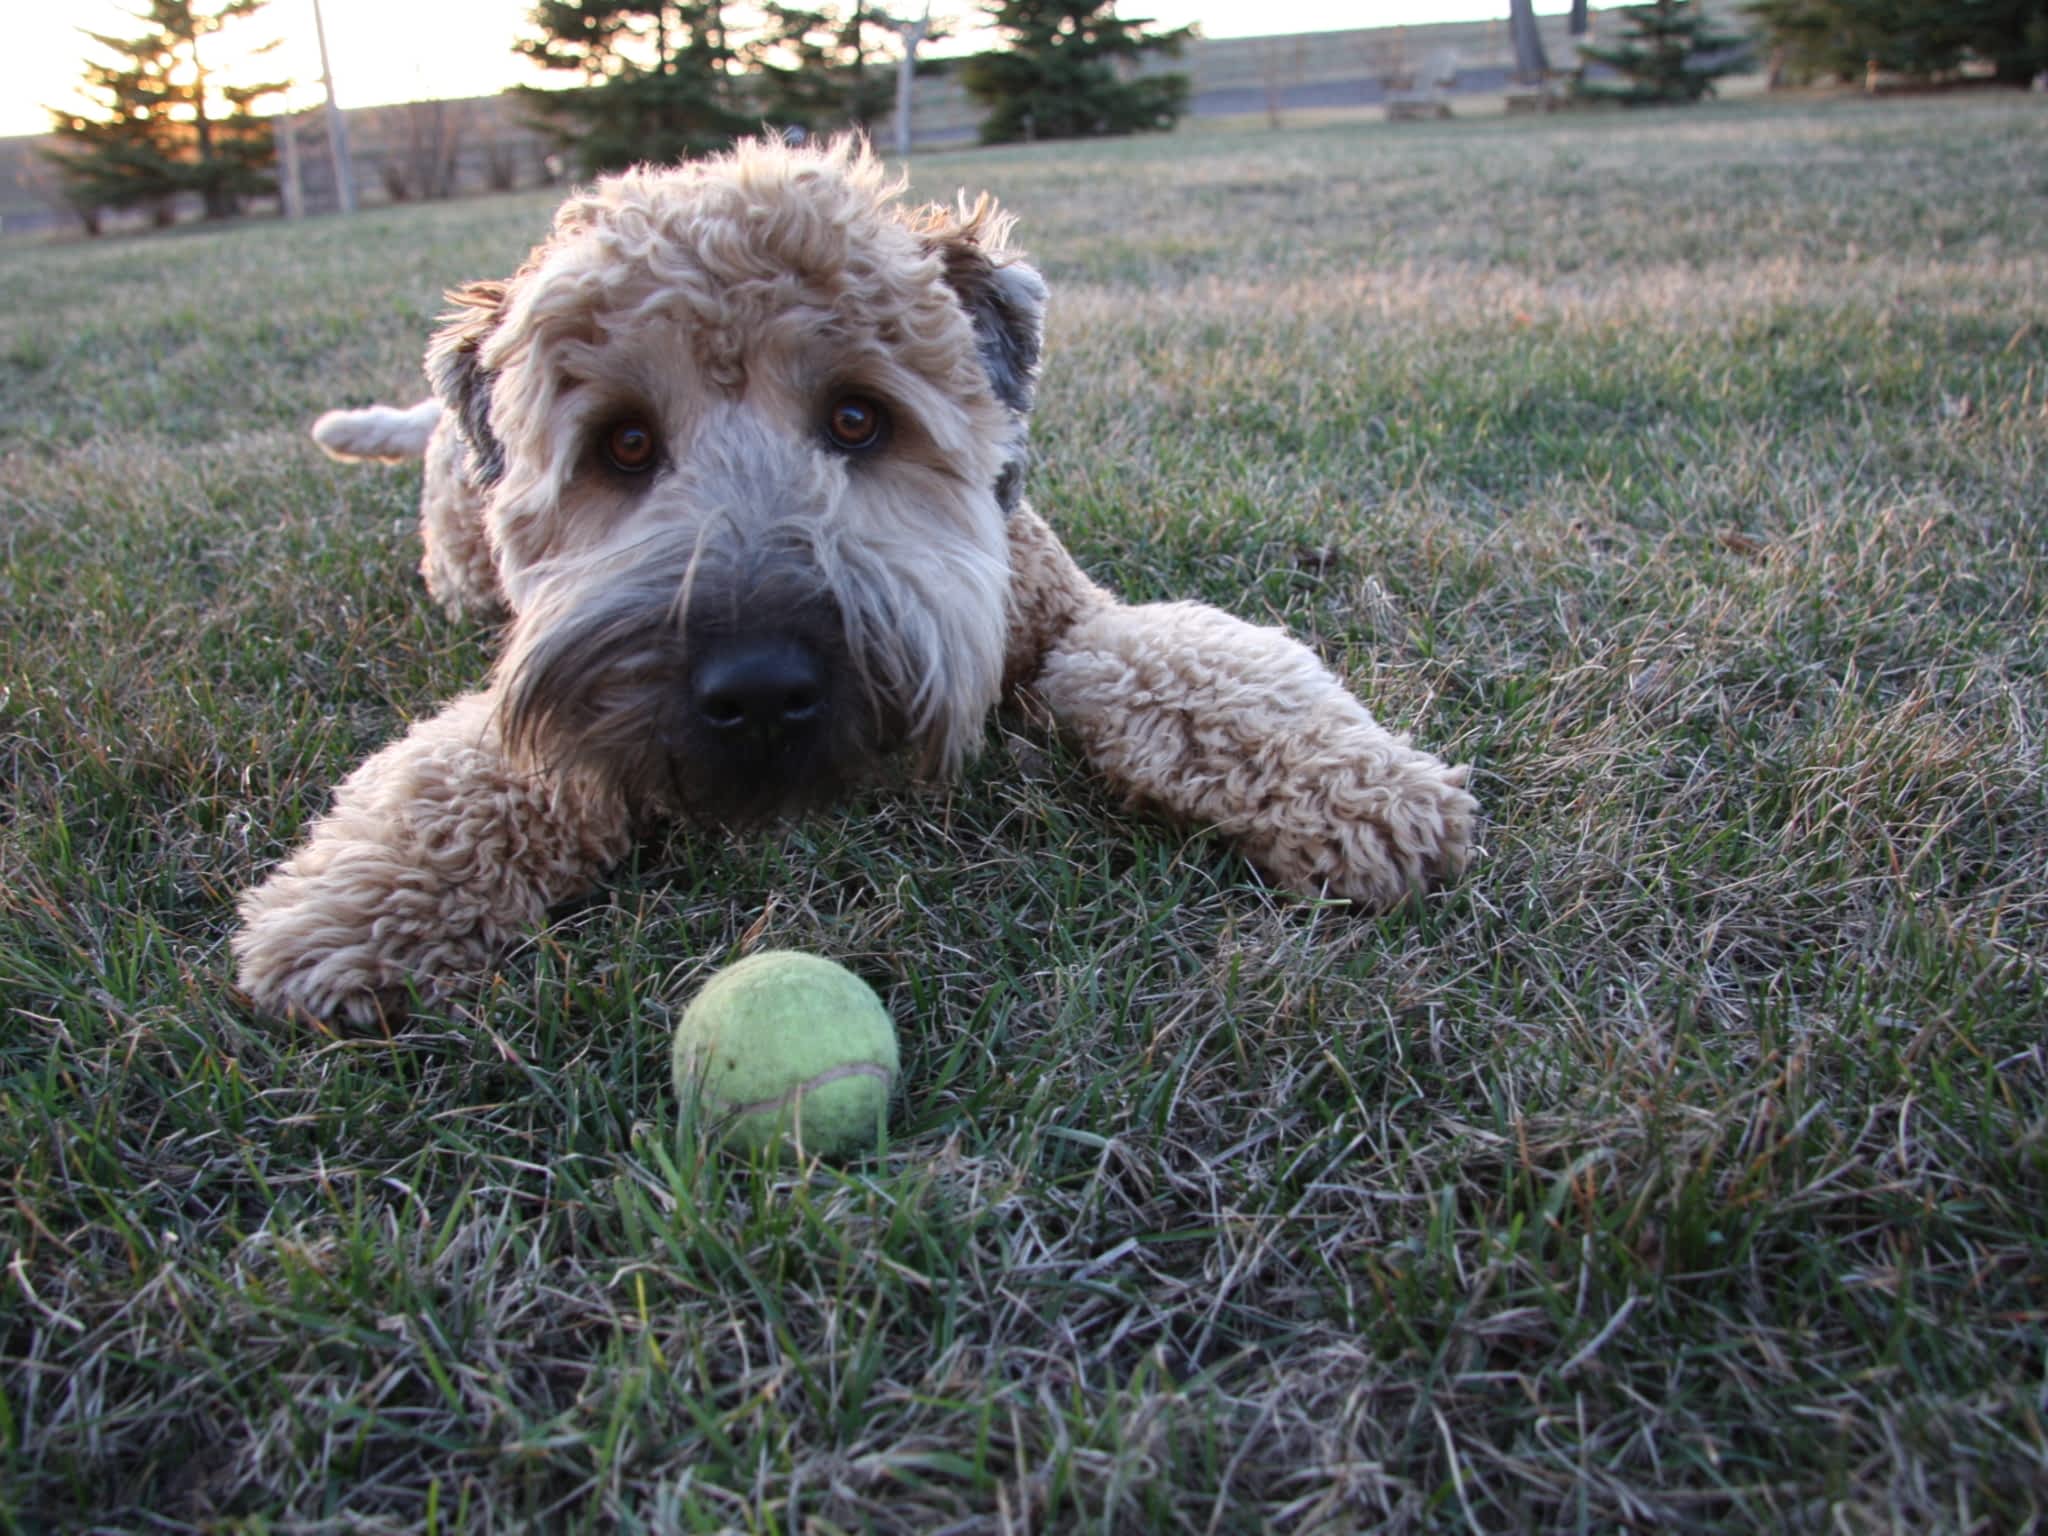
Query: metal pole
{"x": 294, "y": 187}
{"x": 337, "y": 127}
{"x": 911, "y": 33}
{"x": 1530, "y": 63}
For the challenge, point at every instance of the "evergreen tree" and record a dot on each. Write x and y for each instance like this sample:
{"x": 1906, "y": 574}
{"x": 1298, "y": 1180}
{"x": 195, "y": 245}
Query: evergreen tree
{"x": 121, "y": 159}
{"x": 1805, "y": 43}
{"x": 658, "y": 79}
{"x": 2011, "y": 36}
{"x": 1819, "y": 39}
{"x": 1669, "y": 54}
{"x": 1068, "y": 73}
{"x": 824, "y": 68}
{"x": 162, "y": 126}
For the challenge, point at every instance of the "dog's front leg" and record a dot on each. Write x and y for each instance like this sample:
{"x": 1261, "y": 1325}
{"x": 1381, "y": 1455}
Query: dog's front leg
{"x": 1240, "y": 729}
{"x": 439, "y": 852}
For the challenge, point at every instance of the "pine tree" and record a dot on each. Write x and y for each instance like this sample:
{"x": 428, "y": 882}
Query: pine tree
{"x": 1068, "y": 73}
{"x": 824, "y": 68}
{"x": 162, "y": 127}
{"x": 1819, "y": 39}
{"x": 1670, "y": 54}
{"x": 658, "y": 79}
{"x": 121, "y": 159}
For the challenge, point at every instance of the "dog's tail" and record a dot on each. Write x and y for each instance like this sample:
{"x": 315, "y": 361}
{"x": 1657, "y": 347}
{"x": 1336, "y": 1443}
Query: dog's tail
{"x": 378, "y": 432}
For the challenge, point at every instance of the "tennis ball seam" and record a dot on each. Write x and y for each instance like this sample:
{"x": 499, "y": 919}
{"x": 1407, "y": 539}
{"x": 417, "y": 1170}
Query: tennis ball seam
{"x": 808, "y": 1085}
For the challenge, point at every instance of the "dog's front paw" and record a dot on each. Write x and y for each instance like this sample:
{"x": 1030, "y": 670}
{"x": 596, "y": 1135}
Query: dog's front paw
{"x": 1372, "y": 825}
{"x": 352, "y": 943}
{"x": 437, "y": 855}
{"x": 1241, "y": 729}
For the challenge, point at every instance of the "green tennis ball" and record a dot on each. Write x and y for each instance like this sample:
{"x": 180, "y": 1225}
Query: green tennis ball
{"x": 785, "y": 1048}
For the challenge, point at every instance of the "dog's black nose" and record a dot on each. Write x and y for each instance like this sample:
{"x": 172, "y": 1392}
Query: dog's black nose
{"x": 758, "y": 687}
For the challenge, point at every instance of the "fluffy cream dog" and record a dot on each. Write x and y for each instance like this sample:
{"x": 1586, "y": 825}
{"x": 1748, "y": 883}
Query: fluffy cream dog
{"x": 740, "y": 451}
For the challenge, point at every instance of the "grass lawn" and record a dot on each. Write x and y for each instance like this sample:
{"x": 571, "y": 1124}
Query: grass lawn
{"x": 1686, "y": 1165}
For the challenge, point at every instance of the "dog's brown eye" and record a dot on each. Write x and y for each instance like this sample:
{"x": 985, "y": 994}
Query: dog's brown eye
{"x": 855, "y": 424}
{"x": 630, "y": 447}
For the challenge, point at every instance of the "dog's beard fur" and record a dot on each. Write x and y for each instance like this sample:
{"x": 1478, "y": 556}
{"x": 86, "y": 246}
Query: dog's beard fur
{"x": 602, "y": 682}
{"x": 892, "y": 580}
{"x": 598, "y": 670}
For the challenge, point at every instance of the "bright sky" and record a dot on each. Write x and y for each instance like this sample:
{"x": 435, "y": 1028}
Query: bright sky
{"x": 414, "y": 50}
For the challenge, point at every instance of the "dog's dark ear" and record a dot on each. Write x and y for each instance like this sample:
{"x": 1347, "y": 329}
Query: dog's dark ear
{"x": 1006, "y": 302}
{"x": 459, "y": 377}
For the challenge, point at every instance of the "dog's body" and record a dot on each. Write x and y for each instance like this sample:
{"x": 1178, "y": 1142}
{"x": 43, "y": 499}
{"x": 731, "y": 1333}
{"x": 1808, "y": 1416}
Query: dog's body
{"x": 740, "y": 452}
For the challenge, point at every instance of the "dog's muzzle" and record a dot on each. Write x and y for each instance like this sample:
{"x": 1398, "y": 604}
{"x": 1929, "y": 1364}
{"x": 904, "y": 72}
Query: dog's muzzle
{"x": 751, "y": 708}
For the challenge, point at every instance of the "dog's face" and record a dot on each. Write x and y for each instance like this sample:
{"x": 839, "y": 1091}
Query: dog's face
{"x": 747, "y": 433}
